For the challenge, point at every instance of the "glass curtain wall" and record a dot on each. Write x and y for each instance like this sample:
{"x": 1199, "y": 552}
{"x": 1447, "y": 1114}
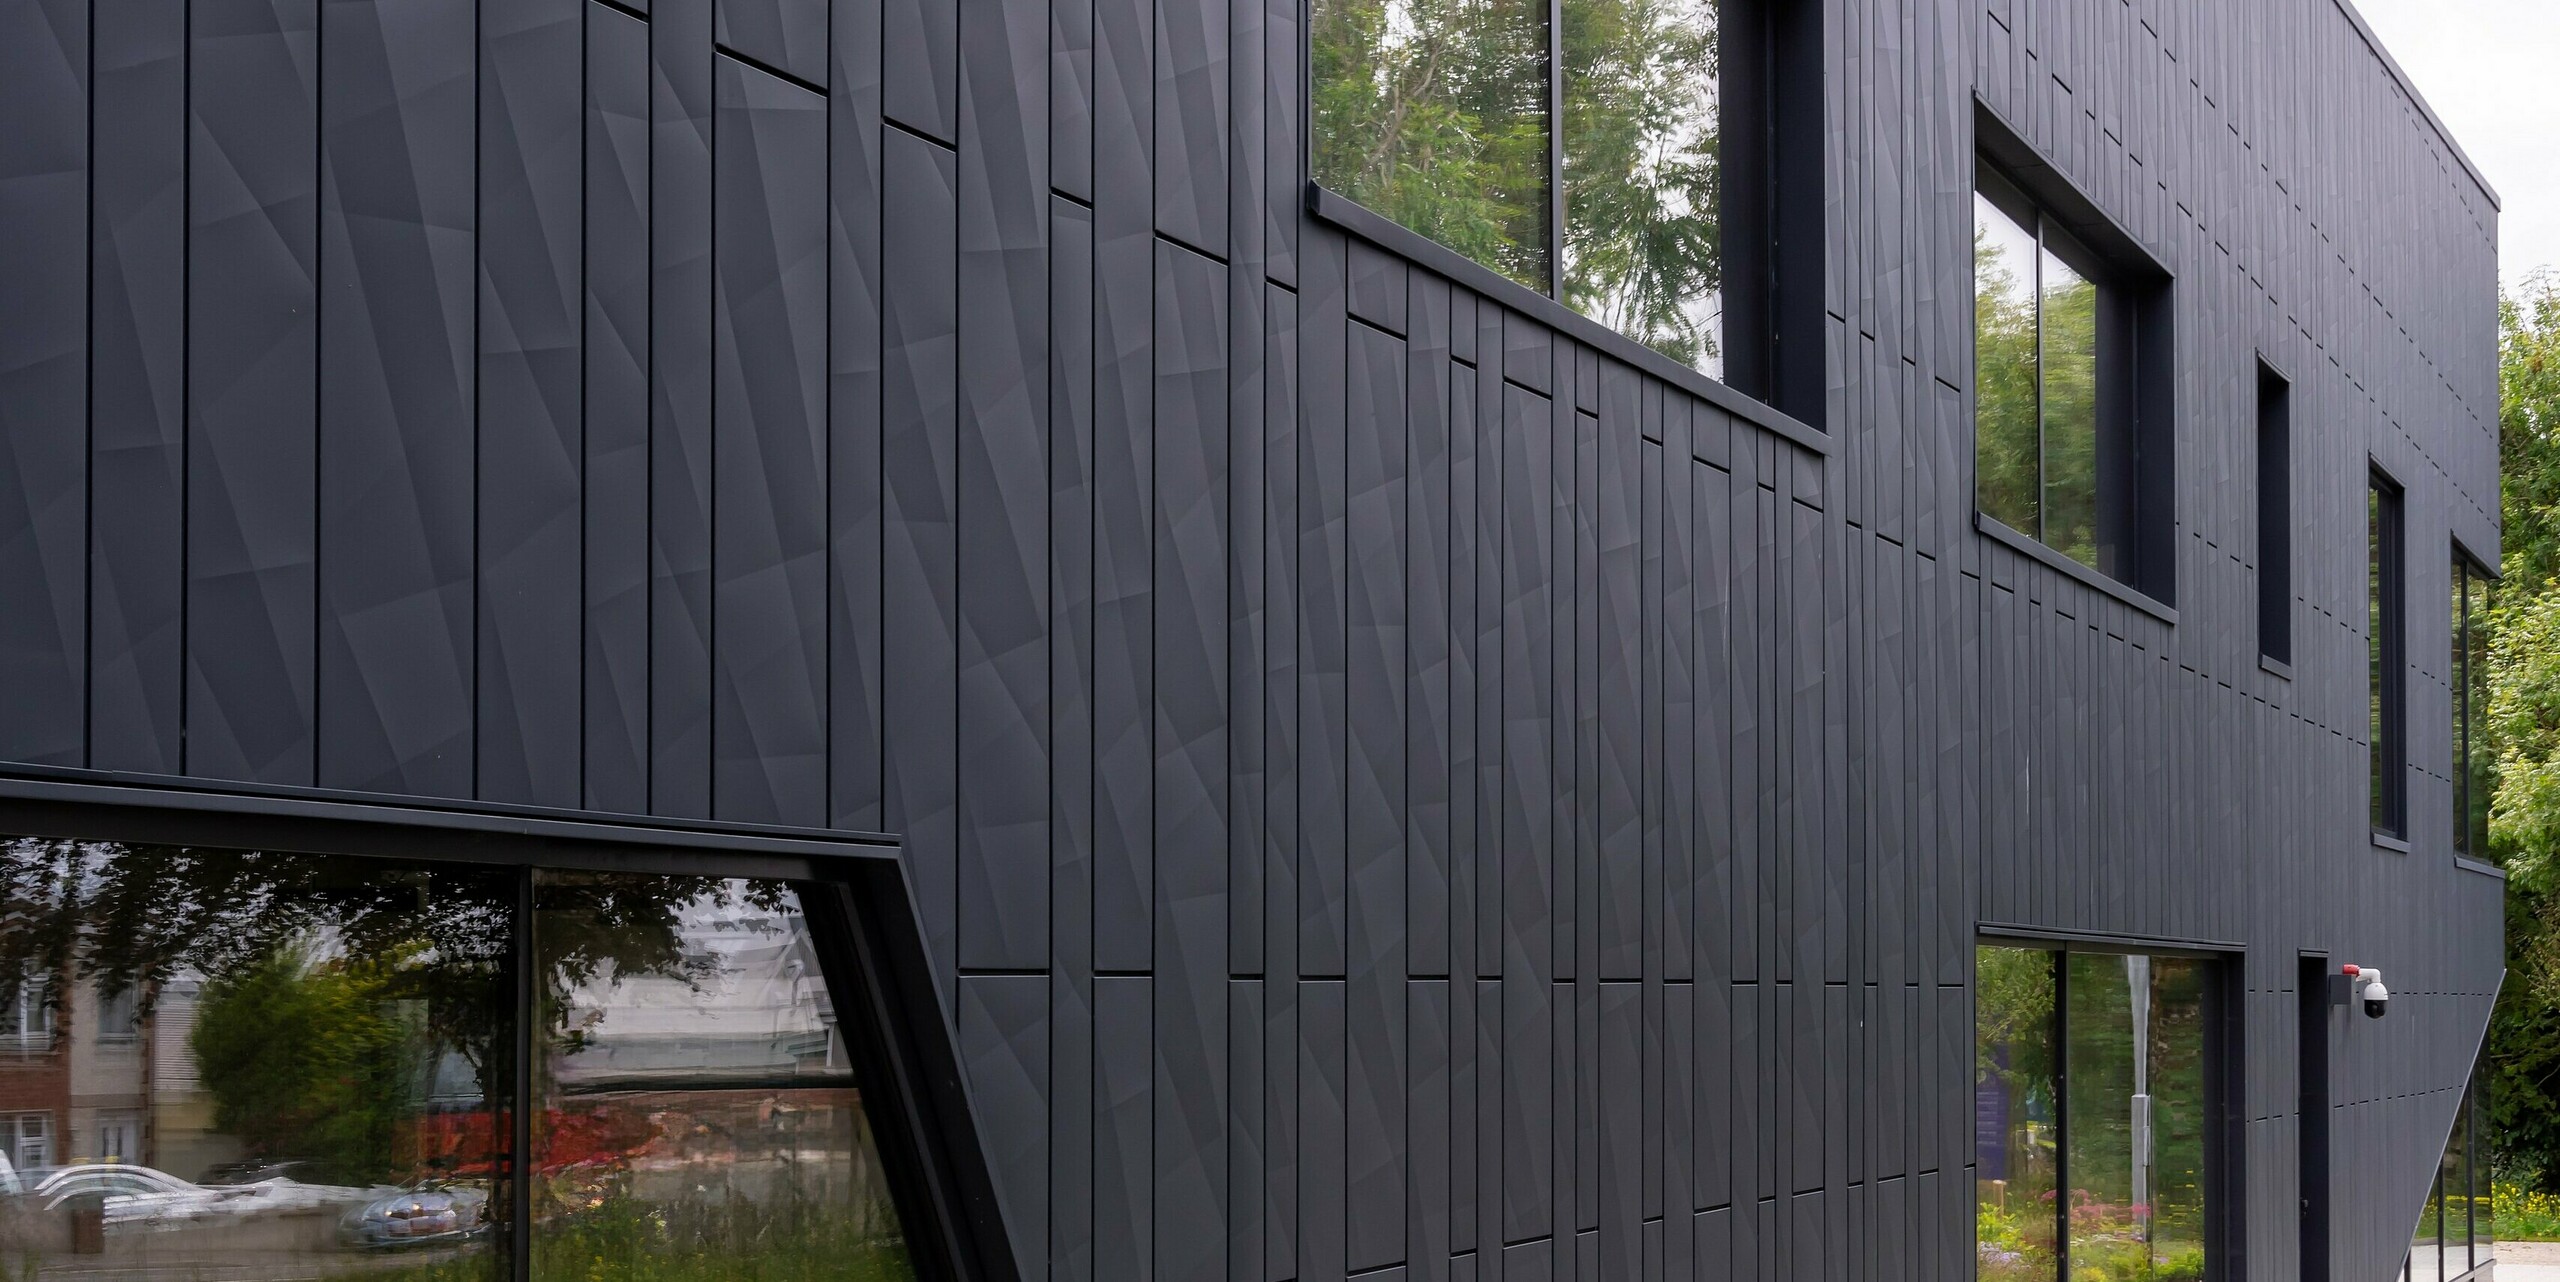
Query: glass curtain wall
{"x": 1571, "y": 148}
{"x": 321, "y": 1077}
{"x": 2091, "y": 1116}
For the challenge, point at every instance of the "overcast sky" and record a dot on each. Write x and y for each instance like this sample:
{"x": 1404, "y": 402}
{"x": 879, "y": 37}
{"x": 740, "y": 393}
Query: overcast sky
{"x": 2491, "y": 70}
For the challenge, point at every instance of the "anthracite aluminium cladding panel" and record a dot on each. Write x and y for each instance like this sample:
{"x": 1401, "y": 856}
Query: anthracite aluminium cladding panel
{"x": 1391, "y": 784}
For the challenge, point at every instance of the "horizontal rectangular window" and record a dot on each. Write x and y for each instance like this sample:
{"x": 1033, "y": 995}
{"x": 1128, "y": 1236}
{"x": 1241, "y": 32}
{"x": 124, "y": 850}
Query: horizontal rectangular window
{"x": 338, "y": 1050}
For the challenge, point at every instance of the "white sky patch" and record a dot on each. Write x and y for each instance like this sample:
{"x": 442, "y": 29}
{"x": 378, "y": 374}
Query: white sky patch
{"x": 2491, "y": 71}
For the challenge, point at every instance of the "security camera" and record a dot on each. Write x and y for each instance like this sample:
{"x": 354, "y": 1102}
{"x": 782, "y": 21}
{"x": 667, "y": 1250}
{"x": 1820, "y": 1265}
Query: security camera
{"x": 2368, "y": 980}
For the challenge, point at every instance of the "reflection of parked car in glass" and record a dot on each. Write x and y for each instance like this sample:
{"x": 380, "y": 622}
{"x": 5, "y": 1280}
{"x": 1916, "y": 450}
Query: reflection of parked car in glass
{"x": 143, "y": 1197}
{"x": 434, "y": 1214}
{"x": 108, "y": 1181}
{"x": 230, "y": 1173}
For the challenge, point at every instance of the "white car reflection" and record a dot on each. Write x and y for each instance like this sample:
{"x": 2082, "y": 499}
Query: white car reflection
{"x": 141, "y": 1197}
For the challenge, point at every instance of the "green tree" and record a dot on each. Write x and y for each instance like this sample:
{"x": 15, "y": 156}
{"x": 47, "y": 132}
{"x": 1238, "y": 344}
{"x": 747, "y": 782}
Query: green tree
{"x": 311, "y": 1059}
{"x": 2006, "y": 453}
{"x": 2524, "y": 724}
{"x": 1642, "y": 233}
{"x": 1434, "y": 113}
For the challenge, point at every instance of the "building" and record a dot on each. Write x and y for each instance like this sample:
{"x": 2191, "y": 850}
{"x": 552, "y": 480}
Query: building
{"x": 1471, "y": 622}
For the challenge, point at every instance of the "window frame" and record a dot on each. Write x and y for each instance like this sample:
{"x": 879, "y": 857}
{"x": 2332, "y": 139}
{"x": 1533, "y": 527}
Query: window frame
{"x": 1770, "y": 167}
{"x": 2387, "y": 649}
{"x": 852, "y": 887}
{"x": 2275, "y": 517}
{"x": 2226, "y": 1065}
{"x": 2137, "y": 354}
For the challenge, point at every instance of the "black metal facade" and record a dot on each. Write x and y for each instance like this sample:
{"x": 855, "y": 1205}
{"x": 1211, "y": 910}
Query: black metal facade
{"x": 1395, "y": 784}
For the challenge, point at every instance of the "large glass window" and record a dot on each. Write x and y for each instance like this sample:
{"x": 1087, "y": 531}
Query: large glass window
{"x": 333, "y": 1051}
{"x": 2474, "y": 768}
{"x": 2092, "y": 1116}
{"x": 2043, "y": 463}
{"x": 1594, "y": 177}
{"x": 2384, "y": 651}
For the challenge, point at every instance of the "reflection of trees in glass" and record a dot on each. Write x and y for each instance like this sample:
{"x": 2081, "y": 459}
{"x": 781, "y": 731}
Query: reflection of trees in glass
{"x": 2098, "y": 1094}
{"x": 297, "y": 942}
{"x": 2178, "y": 1119}
{"x": 2069, "y": 367}
{"x": 1641, "y": 243}
{"x": 315, "y": 1059}
{"x": 1434, "y": 113}
{"x": 2130, "y": 1045}
{"x": 2014, "y": 1062}
{"x": 2035, "y": 327}
{"x": 2004, "y": 369}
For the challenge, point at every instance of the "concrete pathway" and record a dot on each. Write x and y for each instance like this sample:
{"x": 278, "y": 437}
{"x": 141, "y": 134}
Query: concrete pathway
{"x": 2528, "y": 1262}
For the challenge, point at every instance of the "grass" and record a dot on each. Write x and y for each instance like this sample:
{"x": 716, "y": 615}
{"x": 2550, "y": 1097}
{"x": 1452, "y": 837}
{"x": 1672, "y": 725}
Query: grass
{"x": 623, "y": 1241}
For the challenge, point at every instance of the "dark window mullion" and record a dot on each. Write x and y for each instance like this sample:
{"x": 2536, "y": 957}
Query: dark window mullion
{"x": 2035, "y": 290}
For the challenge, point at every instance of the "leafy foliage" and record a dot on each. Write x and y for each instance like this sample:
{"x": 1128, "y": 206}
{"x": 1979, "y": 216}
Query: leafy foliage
{"x": 309, "y": 1059}
{"x": 1436, "y": 113}
{"x": 1642, "y": 230}
{"x": 2524, "y": 715}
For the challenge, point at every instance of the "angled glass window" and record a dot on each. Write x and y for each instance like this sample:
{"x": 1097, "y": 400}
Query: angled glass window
{"x": 2454, "y": 1239}
{"x": 694, "y": 1104}
{"x": 1580, "y": 160}
{"x": 335, "y": 1053}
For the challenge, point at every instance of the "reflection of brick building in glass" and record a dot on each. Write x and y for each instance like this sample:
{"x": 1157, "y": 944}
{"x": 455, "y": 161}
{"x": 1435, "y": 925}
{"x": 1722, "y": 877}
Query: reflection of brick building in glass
{"x": 74, "y": 1085}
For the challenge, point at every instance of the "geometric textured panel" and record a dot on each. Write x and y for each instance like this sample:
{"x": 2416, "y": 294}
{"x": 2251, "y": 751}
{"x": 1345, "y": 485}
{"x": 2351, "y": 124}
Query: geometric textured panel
{"x": 252, "y": 373}
{"x": 531, "y": 442}
{"x": 137, "y": 357}
{"x": 398, "y": 395}
{"x": 769, "y": 538}
{"x": 44, "y": 409}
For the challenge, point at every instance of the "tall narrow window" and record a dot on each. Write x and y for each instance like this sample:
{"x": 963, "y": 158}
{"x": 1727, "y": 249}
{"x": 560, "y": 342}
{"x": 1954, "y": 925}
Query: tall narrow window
{"x": 2056, "y": 374}
{"x": 2475, "y": 761}
{"x": 2386, "y": 653}
{"x": 2275, "y": 516}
